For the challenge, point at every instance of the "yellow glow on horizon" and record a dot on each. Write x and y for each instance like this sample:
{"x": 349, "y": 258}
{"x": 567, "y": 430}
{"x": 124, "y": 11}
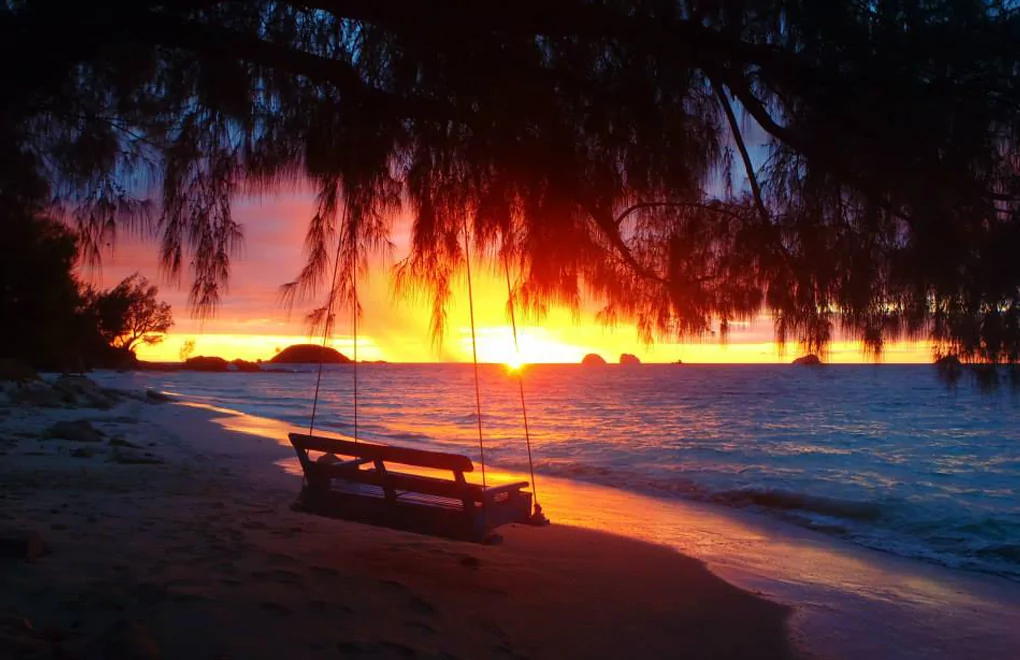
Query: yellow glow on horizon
{"x": 535, "y": 345}
{"x": 564, "y": 345}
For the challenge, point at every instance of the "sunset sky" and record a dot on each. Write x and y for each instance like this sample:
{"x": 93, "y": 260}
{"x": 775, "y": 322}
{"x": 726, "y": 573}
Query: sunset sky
{"x": 251, "y": 323}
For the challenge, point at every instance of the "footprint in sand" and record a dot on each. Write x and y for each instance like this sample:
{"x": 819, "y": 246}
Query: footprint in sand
{"x": 416, "y": 604}
{"x": 324, "y": 570}
{"x": 470, "y": 561}
{"x": 385, "y": 649}
{"x": 421, "y": 606}
{"x": 149, "y": 593}
{"x": 351, "y": 648}
{"x": 279, "y": 575}
{"x": 224, "y": 567}
{"x": 189, "y": 597}
{"x": 276, "y": 608}
{"x": 329, "y": 607}
{"x": 421, "y": 626}
{"x": 397, "y": 650}
{"x": 282, "y": 558}
{"x": 492, "y": 628}
{"x": 394, "y": 585}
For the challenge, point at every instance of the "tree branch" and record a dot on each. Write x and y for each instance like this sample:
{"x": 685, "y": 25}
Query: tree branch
{"x": 609, "y": 227}
{"x": 214, "y": 41}
{"x": 651, "y": 205}
{"x": 752, "y": 177}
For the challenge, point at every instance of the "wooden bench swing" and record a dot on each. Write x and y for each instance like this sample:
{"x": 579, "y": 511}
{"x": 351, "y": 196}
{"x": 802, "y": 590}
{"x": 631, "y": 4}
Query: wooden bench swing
{"x": 451, "y": 508}
{"x": 353, "y": 480}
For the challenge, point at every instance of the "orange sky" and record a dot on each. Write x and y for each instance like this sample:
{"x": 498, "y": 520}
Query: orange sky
{"x": 251, "y": 323}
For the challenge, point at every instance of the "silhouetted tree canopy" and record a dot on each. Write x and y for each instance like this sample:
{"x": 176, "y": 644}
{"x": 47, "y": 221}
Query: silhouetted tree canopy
{"x": 845, "y": 163}
{"x": 52, "y": 321}
{"x": 38, "y": 294}
{"x": 129, "y": 313}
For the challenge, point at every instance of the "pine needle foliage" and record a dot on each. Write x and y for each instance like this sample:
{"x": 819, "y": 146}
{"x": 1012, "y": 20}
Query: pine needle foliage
{"x": 844, "y": 164}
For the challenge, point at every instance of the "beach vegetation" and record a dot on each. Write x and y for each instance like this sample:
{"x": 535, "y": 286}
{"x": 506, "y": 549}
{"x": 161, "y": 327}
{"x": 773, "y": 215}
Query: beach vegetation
{"x": 129, "y": 314}
{"x": 187, "y": 350}
{"x": 50, "y": 319}
{"x": 39, "y": 323}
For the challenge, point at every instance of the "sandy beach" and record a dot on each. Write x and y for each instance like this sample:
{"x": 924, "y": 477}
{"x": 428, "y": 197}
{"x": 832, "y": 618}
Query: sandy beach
{"x": 170, "y": 536}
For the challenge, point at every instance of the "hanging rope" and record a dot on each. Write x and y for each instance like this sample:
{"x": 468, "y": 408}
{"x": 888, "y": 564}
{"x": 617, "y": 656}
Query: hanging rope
{"x": 474, "y": 349}
{"x": 330, "y": 302}
{"x": 520, "y": 386}
{"x": 355, "y": 306}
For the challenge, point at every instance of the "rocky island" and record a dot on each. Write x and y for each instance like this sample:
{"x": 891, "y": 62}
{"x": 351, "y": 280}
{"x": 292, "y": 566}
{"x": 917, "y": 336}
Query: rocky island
{"x": 309, "y": 354}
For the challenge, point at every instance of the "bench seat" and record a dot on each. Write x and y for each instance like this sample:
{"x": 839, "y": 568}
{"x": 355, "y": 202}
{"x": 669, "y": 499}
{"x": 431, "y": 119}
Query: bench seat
{"x": 364, "y": 488}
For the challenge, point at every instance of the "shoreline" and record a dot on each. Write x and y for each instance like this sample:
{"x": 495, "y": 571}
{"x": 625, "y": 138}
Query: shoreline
{"x": 895, "y": 507}
{"x": 197, "y": 554}
{"x": 846, "y": 600}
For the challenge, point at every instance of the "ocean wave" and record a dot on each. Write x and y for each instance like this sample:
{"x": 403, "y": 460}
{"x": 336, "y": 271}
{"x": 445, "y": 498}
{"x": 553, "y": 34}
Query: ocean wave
{"x": 1009, "y": 552}
{"x": 892, "y": 526}
{"x": 789, "y": 501}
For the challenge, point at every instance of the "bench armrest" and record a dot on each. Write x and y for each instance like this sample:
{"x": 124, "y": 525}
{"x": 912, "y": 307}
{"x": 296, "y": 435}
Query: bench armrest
{"x": 492, "y": 491}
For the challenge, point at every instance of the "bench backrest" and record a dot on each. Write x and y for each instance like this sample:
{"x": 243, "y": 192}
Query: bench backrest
{"x": 404, "y": 455}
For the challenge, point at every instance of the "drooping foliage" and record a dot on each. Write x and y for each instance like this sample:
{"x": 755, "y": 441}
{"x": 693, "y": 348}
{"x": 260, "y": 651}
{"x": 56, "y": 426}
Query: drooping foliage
{"x": 844, "y": 164}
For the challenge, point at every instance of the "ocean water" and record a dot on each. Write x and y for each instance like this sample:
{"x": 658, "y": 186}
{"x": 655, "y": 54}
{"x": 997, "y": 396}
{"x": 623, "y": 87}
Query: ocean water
{"x": 886, "y": 456}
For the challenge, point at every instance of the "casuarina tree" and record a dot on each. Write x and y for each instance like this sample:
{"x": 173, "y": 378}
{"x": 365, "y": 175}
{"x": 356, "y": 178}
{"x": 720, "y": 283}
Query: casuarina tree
{"x": 687, "y": 163}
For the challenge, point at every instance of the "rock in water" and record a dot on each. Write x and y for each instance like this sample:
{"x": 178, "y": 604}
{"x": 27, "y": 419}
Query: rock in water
{"x": 808, "y": 360}
{"x": 204, "y": 363}
{"x": 628, "y": 358}
{"x": 309, "y": 354}
{"x": 157, "y": 396}
{"x": 245, "y": 366}
{"x": 592, "y": 359}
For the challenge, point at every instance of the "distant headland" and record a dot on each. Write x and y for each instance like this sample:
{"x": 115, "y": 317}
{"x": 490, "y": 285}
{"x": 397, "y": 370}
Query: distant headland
{"x": 309, "y": 354}
{"x": 295, "y": 354}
